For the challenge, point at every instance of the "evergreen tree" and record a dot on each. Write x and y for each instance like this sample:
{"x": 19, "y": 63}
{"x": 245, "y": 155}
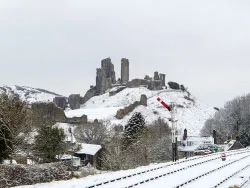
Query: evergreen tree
{"x": 134, "y": 128}
{"x": 5, "y": 143}
{"x": 49, "y": 142}
{"x": 12, "y": 114}
{"x": 245, "y": 139}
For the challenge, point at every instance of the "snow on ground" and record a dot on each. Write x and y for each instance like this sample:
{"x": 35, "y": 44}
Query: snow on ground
{"x": 190, "y": 115}
{"x": 67, "y": 128}
{"x": 93, "y": 113}
{"x": 239, "y": 160}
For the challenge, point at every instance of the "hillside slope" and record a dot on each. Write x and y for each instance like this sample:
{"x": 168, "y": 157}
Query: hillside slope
{"x": 29, "y": 94}
{"x": 190, "y": 115}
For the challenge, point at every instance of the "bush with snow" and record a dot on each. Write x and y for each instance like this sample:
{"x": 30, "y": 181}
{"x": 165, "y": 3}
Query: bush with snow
{"x": 15, "y": 175}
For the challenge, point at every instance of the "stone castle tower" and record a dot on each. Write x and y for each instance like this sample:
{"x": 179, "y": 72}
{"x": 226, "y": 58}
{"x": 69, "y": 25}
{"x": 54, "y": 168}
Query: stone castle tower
{"x": 105, "y": 76}
{"x": 124, "y": 71}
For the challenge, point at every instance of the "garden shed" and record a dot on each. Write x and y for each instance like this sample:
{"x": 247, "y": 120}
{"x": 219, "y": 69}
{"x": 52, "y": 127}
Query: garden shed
{"x": 89, "y": 153}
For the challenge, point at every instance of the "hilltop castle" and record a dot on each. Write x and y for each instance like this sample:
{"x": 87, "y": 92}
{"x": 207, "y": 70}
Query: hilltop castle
{"x": 106, "y": 79}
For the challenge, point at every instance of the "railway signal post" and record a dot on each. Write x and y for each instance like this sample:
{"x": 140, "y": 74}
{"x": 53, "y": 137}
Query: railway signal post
{"x": 171, "y": 109}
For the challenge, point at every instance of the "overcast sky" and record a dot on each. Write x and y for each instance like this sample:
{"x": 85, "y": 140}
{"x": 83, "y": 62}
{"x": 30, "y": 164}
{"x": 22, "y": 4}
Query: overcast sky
{"x": 58, "y": 44}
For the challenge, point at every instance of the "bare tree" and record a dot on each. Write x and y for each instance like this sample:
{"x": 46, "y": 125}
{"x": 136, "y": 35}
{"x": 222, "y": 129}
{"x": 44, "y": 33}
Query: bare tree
{"x": 92, "y": 133}
{"x": 231, "y": 120}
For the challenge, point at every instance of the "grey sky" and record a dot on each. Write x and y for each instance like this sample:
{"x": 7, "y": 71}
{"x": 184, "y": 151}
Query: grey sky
{"x": 58, "y": 44}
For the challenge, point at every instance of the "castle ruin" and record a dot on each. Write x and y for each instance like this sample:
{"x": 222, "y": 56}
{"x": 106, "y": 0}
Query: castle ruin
{"x": 105, "y": 76}
{"x": 124, "y": 71}
{"x": 106, "y": 79}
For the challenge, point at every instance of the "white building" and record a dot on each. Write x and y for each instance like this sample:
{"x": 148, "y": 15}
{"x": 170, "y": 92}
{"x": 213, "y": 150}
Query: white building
{"x": 191, "y": 144}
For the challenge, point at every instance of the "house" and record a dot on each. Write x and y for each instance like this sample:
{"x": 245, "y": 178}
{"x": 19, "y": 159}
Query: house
{"x": 195, "y": 145}
{"x": 89, "y": 153}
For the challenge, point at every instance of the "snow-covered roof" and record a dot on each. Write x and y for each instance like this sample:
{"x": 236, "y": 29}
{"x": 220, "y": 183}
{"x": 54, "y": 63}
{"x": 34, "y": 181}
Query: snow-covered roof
{"x": 90, "y": 149}
{"x": 229, "y": 145}
{"x": 233, "y": 144}
{"x": 200, "y": 139}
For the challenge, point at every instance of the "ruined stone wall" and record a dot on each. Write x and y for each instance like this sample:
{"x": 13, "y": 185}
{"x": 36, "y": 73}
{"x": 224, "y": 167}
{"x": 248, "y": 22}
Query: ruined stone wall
{"x": 74, "y": 101}
{"x": 105, "y": 76}
{"x": 46, "y": 113}
{"x": 124, "y": 71}
{"x": 60, "y": 102}
{"x": 108, "y": 69}
{"x": 163, "y": 79}
{"x": 125, "y": 111}
{"x": 156, "y": 76}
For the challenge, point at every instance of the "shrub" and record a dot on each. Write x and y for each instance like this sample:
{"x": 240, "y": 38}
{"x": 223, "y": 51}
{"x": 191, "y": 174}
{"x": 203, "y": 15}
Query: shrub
{"x": 15, "y": 175}
{"x": 174, "y": 85}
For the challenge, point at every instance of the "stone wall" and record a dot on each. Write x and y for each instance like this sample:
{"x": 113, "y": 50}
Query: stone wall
{"x": 112, "y": 93}
{"x": 46, "y": 113}
{"x": 155, "y": 85}
{"x": 74, "y": 101}
{"x": 137, "y": 83}
{"x": 125, "y": 111}
{"x": 60, "y": 102}
{"x": 77, "y": 120}
{"x": 89, "y": 94}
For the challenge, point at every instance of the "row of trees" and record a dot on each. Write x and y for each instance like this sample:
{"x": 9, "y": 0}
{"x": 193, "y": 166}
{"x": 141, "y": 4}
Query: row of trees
{"x": 231, "y": 121}
{"x": 139, "y": 144}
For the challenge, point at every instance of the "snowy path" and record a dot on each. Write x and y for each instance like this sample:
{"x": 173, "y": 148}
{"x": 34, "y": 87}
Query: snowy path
{"x": 169, "y": 174}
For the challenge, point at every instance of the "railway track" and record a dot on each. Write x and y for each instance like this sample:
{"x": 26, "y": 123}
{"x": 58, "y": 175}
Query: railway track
{"x": 169, "y": 168}
{"x": 197, "y": 178}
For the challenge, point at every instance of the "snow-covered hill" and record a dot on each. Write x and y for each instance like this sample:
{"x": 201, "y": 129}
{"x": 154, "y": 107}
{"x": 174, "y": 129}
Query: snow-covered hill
{"x": 29, "y": 94}
{"x": 190, "y": 115}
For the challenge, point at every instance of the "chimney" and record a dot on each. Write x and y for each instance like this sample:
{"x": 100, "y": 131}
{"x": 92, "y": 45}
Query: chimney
{"x": 185, "y": 134}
